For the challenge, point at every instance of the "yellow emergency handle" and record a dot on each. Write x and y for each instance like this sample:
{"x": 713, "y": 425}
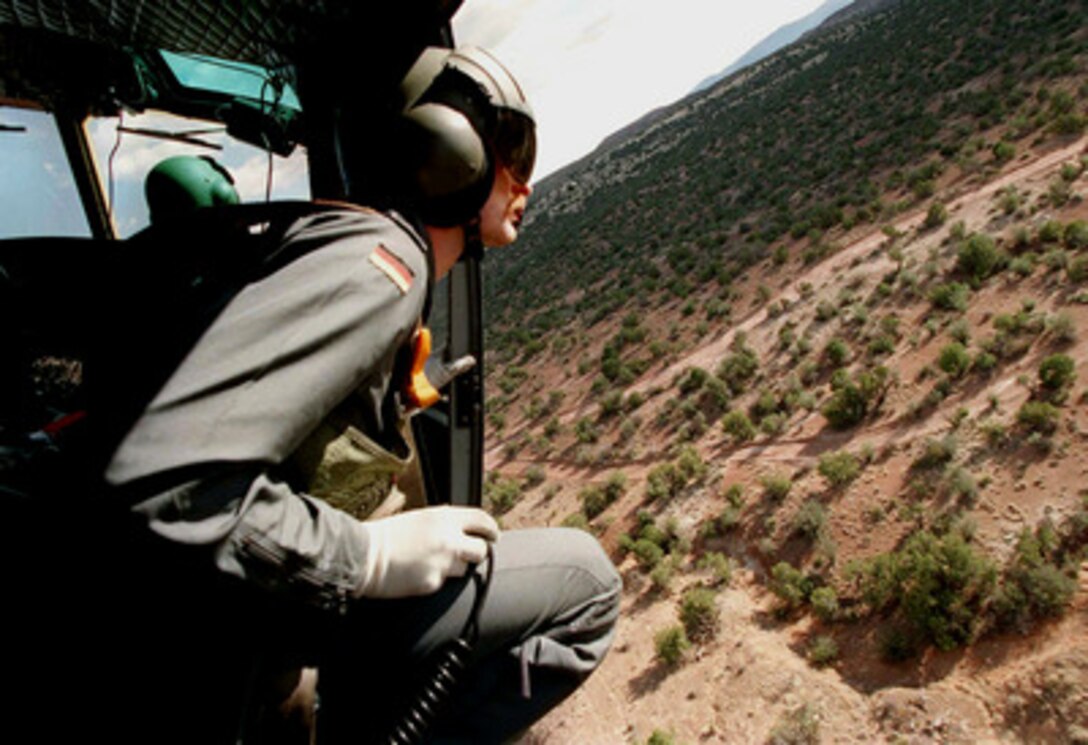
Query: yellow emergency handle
{"x": 421, "y": 393}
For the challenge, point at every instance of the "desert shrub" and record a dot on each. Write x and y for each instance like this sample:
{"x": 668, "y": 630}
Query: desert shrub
{"x": 936, "y": 215}
{"x": 690, "y": 464}
{"x": 501, "y": 494}
{"x": 610, "y": 405}
{"x": 1061, "y": 328}
{"x": 699, "y": 614}
{"x": 846, "y": 407}
{"x": 664, "y": 482}
{"x": 1057, "y": 372}
{"x": 534, "y": 476}
{"x": 790, "y": 585}
{"x": 823, "y": 651}
{"x": 836, "y": 352}
{"x": 1051, "y": 231}
{"x": 825, "y": 603}
{"x": 950, "y": 296}
{"x": 1033, "y": 587}
{"x": 940, "y": 583}
{"x": 738, "y": 426}
{"x": 734, "y": 494}
{"x": 597, "y": 497}
{"x": 576, "y": 520}
{"x": 714, "y": 396}
{"x": 1003, "y": 151}
{"x": 594, "y": 501}
{"x": 1075, "y": 235}
{"x": 936, "y": 452}
{"x": 660, "y": 737}
{"x": 776, "y": 486}
{"x": 800, "y": 726}
{"x": 647, "y": 553}
{"x": 839, "y": 468}
{"x": 662, "y": 574}
{"x": 810, "y": 520}
{"x": 586, "y": 431}
{"x": 692, "y": 380}
{"x": 739, "y": 367}
{"x": 720, "y": 567}
{"x": 670, "y": 645}
{"x": 979, "y": 257}
{"x": 1039, "y": 416}
{"x": 954, "y": 360}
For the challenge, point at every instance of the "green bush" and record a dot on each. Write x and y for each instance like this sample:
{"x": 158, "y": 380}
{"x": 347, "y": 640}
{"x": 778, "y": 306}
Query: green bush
{"x": 739, "y": 367}
{"x": 979, "y": 257}
{"x": 936, "y": 452}
{"x": 836, "y": 352}
{"x": 940, "y": 583}
{"x": 1004, "y": 151}
{"x": 586, "y": 431}
{"x": 776, "y": 486}
{"x": 670, "y": 645}
{"x": 936, "y": 216}
{"x": 720, "y": 567}
{"x": 647, "y": 553}
{"x": 597, "y": 497}
{"x": 664, "y": 482}
{"x": 661, "y": 575}
{"x": 800, "y": 726}
{"x": 823, "y": 651}
{"x": 1057, "y": 372}
{"x": 810, "y": 520}
{"x": 839, "y": 468}
{"x": 658, "y": 737}
{"x": 846, "y": 407}
{"x": 1033, "y": 587}
{"x": 954, "y": 360}
{"x": 1039, "y": 416}
{"x": 690, "y": 464}
{"x": 950, "y": 296}
{"x": 790, "y": 585}
{"x": 825, "y": 604}
{"x": 699, "y": 614}
{"x": 501, "y": 494}
{"x": 738, "y": 426}
{"x": 1076, "y": 234}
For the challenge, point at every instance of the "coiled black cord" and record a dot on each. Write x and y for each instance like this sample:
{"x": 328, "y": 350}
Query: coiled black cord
{"x": 449, "y": 663}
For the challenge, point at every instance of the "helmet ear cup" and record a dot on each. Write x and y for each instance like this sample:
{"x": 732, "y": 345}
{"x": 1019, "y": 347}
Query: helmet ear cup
{"x": 451, "y": 167}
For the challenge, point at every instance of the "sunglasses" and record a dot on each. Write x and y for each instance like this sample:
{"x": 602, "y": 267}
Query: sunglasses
{"x": 515, "y": 143}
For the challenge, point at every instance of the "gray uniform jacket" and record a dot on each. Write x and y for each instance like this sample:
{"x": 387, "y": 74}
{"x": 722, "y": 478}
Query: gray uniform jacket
{"x": 322, "y": 330}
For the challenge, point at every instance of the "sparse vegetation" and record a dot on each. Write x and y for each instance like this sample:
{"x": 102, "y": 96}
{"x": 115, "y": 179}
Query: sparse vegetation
{"x": 699, "y": 614}
{"x": 670, "y": 645}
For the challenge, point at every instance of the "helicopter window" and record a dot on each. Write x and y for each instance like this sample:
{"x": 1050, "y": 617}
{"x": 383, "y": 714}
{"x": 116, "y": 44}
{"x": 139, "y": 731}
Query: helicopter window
{"x": 230, "y": 78}
{"x": 38, "y": 190}
{"x": 127, "y": 148}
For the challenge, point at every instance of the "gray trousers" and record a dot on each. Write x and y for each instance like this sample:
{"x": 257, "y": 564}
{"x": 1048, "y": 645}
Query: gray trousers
{"x": 546, "y": 622}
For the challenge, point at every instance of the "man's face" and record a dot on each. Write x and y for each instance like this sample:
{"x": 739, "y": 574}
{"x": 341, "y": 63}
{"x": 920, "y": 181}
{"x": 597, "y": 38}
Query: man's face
{"x": 504, "y": 209}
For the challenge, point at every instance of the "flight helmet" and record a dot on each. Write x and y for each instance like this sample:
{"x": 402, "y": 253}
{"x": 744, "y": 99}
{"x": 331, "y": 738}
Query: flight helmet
{"x": 463, "y": 112}
{"x": 183, "y": 183}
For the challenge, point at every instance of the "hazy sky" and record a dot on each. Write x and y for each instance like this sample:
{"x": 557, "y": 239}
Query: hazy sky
{"x": 592, "y": 66}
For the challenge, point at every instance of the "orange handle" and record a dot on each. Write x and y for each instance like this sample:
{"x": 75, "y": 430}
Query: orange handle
{"x": 420, "y": 392}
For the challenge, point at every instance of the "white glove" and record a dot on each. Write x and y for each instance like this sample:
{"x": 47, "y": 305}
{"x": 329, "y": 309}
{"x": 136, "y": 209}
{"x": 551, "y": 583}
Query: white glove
{"x": 414, "y": 552}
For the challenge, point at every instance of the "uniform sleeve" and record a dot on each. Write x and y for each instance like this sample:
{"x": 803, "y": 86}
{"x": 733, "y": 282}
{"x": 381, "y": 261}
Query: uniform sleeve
{"x": 283, "y": 353}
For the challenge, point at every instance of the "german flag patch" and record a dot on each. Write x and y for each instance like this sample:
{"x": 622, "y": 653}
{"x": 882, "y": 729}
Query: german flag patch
{"x": 392, "y": 267}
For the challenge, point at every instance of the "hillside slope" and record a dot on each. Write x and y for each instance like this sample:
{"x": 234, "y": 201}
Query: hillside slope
{"x": 831, "y": 377}
{"x": 743, "y": 684}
